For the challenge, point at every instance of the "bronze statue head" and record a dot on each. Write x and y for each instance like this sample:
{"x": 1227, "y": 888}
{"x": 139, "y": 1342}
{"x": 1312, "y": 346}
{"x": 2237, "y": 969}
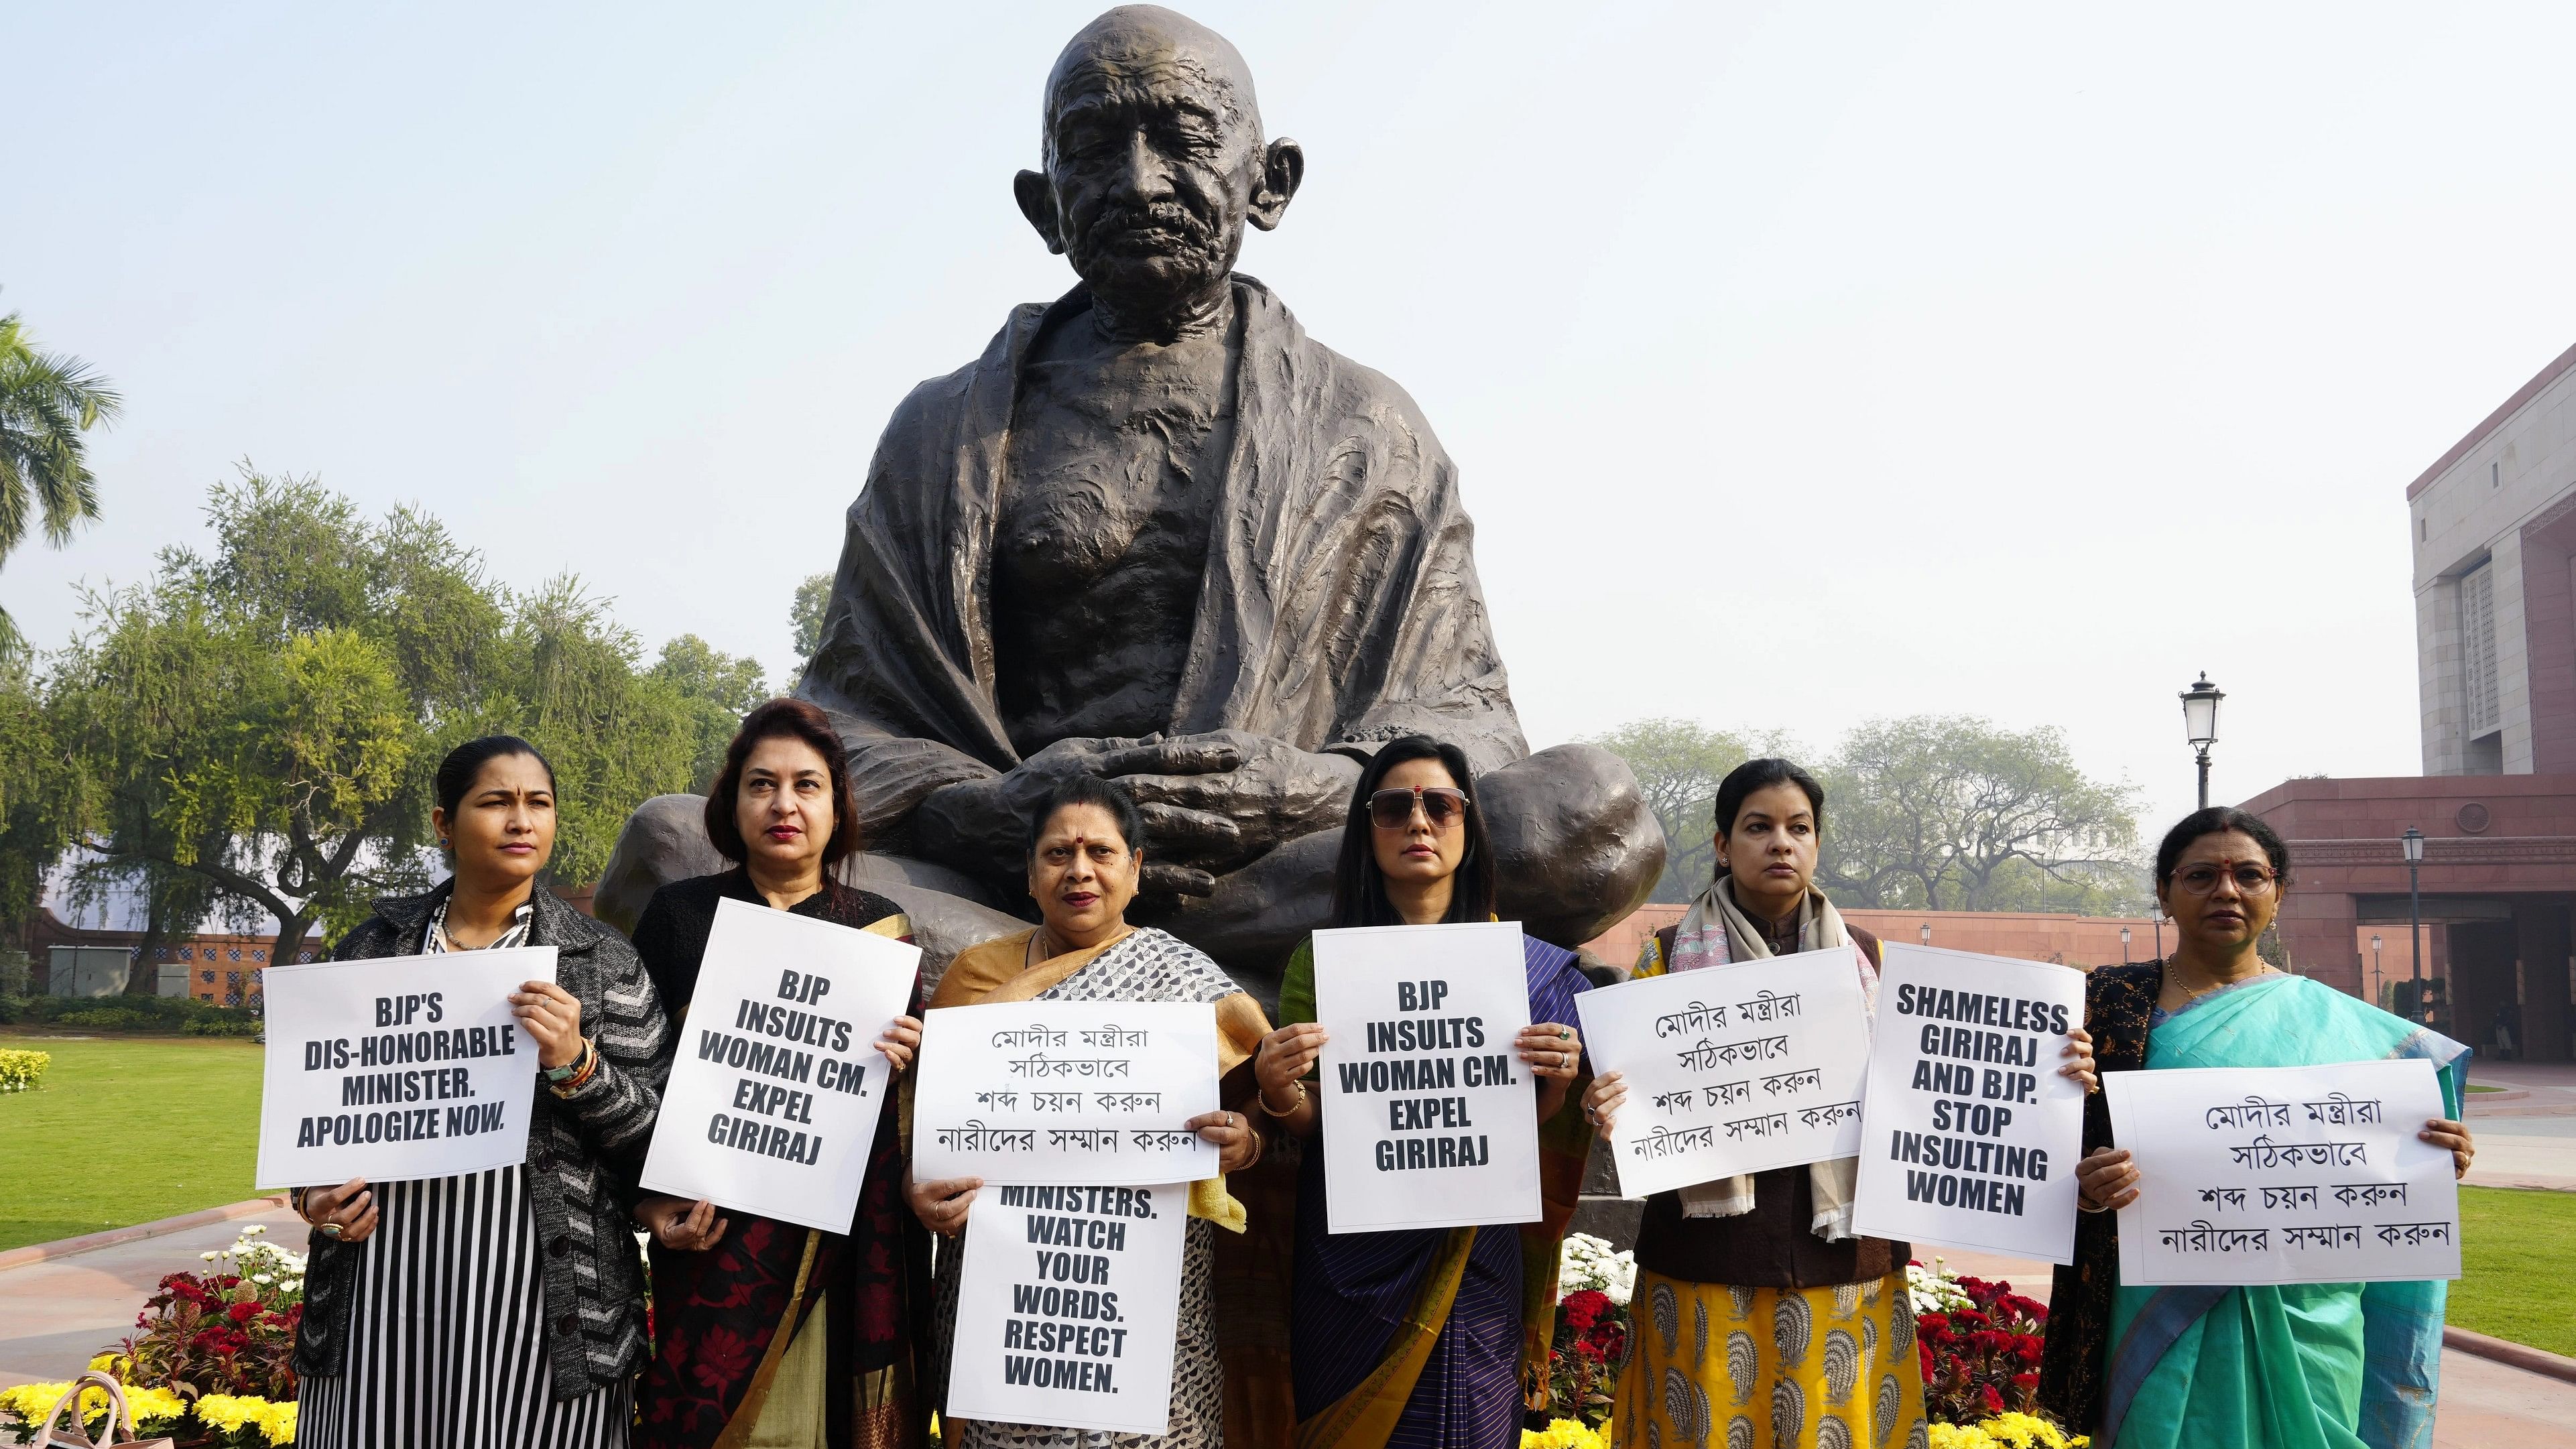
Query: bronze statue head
{"x": 1154, "y": 161}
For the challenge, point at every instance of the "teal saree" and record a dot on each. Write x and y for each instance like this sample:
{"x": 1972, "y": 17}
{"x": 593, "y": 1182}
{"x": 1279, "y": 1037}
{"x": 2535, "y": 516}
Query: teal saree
{"x": 2313, "y": 1366}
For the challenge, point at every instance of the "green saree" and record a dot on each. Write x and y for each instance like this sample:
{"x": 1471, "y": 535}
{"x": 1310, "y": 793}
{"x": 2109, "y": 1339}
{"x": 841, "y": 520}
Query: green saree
{"x": 2313, "y": 1366}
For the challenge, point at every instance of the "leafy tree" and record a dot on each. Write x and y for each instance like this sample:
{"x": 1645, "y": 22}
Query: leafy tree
{"x": 262, "y": 721}
{"x": 1928, "y": 813}
{"x": 1678, "y": 767}
{"x": 47, "y": 402}
{"x": 719, "y": 689}
{"x": 1961, "y": 814}
{"x": 32, "y": 828}
{"x": 806, "y": 615}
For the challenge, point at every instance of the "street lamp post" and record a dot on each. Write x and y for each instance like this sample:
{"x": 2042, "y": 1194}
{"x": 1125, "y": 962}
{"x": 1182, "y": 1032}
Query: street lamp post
{"x": 2200, "y": 725}
{"x": 2374, "y": 968}
{"x": 2124, "y": 945}
{"x": 1927, "y": 933}
{"x": 2412, "y": 842}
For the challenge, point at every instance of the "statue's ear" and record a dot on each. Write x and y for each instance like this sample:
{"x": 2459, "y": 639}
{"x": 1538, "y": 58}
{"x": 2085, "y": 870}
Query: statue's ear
{"x": 1037, "y": 202}
{"x": 1283, "y": 165}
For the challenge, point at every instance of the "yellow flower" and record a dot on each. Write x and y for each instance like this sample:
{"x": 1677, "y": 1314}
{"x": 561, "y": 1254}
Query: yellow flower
{"x": 27, "y": 1401}
{"x": 1565, "y": 1434}
{"x": 279, "y": 1425}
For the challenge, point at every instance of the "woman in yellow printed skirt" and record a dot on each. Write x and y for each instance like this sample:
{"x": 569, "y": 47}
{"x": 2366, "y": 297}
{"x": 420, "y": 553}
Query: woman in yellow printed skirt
{"x": 1761, "y": 1321}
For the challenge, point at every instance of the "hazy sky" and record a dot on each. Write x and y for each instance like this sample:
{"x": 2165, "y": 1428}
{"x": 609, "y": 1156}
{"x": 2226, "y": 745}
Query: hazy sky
{"x": 1804, "y": 363}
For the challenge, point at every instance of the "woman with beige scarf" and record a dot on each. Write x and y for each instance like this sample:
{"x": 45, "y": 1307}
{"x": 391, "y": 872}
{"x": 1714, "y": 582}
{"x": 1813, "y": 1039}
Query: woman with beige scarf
{"x": 1761, "y": 1319}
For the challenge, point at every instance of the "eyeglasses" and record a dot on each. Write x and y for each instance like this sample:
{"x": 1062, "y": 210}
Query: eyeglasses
{"x": 1441, "y": 805}
{"x": 2251, "y": 880}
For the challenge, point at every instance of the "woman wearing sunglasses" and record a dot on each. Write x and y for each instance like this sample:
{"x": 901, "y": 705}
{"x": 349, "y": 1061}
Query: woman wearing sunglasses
{"x": 2334, "y": 1364}
{"x": 1423, "y": 1337}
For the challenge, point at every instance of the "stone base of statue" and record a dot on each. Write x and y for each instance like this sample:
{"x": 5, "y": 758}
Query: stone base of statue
{"x": 1576, "y": 849}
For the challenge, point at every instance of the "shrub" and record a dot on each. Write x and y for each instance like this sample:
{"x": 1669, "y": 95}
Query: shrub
{"x": 1980, "y": 1347}
{"x": 171, "y": 1014}
{"x": 23, "y": 1071}
{"x": 1592, "y": 1327}
{"x": 227, "y": 1331}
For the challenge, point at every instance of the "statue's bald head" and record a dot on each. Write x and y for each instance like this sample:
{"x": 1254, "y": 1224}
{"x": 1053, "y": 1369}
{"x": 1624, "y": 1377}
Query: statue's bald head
{"x": 1154, "y": 161}
{"x": 1141, "y": 45}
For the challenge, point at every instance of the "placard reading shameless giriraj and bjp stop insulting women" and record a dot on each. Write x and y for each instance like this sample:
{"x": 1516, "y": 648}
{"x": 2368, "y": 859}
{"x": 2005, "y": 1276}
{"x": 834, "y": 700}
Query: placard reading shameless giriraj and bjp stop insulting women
{"x": 1430, "y": 1120}
{"x": 1068, "y": 1307}
{"x": 1969, "y": 1137}
{"x": 398, "y": 1068}
{"x": 1732, "y": 1069}
{"x": 776, "y": 1089}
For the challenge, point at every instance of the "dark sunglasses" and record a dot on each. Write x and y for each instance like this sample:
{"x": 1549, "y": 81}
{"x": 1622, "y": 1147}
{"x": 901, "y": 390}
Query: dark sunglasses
{"x": 1441, "y": 805}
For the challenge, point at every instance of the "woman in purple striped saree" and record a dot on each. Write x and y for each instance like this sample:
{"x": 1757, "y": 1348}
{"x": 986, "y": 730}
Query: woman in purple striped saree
{"x": 1424, "y": 1338}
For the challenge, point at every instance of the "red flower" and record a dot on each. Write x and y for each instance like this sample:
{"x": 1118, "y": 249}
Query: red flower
{"x": 2026, "y": 1382}
{"x": 243, "y": 1312}
{"x": 1584, "y": 1309}
{"x": 1993, "y": 1401}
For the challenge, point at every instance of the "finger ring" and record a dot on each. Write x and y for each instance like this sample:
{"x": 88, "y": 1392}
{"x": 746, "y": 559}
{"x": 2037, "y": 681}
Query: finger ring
{"x": 329, "y": 1230}
{"x": 1565, "y": 1033}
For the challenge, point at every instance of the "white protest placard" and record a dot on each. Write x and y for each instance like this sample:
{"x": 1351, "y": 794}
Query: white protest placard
{"x": 1430, "y": 1120}
{"x": 1732, "y": 1069}
{"x": 1065, "y": 1091}
{"x": 774, "y": 1093}
{"x": 2285, "y": 1175}
{"x": 1069, "y": 1306}
{"x": 1969, "y": 1137}
{"x": 396, "y": 1068}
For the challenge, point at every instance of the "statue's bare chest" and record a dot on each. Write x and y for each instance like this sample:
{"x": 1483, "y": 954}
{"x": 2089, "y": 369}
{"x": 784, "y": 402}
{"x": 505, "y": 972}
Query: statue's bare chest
{"x": 1116, "y": 460}
{"x": 1113, "y": 464}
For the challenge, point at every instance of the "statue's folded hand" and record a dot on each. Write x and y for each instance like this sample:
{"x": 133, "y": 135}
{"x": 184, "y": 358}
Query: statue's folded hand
{"x": 1225, "y": 798}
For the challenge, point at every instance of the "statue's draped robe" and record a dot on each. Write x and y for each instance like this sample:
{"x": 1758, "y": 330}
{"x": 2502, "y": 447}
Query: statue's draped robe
{"x": 1339, "y": 607}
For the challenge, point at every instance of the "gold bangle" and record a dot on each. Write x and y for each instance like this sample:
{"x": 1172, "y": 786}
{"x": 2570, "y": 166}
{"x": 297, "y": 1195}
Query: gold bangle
{"x": 1263, "y": 1098}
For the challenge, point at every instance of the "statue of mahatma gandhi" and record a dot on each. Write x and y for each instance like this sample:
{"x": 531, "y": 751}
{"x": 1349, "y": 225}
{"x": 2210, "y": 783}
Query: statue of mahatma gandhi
{"x": 1157, "y": 532}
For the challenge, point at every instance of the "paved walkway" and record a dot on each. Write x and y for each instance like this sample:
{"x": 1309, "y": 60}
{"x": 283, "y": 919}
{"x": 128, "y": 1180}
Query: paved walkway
{"x": 2484, "y": 1404}
{"x": 2530, "y": 1139}
{"x": 54, "y": 1316}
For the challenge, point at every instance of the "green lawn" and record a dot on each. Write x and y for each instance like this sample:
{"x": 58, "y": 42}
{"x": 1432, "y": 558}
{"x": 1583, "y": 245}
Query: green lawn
{"x": 2513, "y": 1258}
{"x": 125, "y": 1130}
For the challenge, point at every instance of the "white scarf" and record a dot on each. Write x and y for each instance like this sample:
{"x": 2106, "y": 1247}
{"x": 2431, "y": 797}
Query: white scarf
{"x": 1714, "y": 932}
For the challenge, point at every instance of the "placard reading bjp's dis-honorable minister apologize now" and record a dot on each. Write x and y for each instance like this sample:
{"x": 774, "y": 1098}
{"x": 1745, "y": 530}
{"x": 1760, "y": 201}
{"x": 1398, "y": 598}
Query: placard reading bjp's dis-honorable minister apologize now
{"x": 398, "y": 1068}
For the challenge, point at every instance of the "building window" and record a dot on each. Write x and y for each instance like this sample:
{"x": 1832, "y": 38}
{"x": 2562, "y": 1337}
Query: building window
{"x": 2478, "y": 650}
{"x": 2495, "y": 475}
{"x": 2423, "y": 529}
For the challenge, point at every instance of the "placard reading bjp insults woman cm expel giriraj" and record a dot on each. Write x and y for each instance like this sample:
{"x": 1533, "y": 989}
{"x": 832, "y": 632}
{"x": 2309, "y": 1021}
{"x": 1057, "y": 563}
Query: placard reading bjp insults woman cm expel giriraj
{"x": 2285, "y": 1175}
{"x": 774, "y": 1095}
{"x": 1065, "y": 1091}
{"x": 1068, "y": 1307}
{"x": 1430, "y": 1119}
{"x": 1969, "y": 1136}
{"x": 396, "y": 1068}
{"x": 1732, "y": 1069}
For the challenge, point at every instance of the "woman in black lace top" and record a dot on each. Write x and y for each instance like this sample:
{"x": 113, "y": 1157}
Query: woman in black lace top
{"x": 783, "y": 1334}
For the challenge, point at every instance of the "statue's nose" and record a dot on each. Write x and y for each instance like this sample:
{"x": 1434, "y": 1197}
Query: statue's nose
{"x": 1144, "y": 174}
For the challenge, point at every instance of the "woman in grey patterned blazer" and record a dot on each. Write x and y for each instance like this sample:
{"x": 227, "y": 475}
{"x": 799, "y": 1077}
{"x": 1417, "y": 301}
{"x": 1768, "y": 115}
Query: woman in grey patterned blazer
{"x": 501, "y": 1307}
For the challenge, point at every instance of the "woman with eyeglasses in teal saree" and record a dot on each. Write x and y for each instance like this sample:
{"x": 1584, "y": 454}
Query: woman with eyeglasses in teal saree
{"x": 2306, "y": 1366}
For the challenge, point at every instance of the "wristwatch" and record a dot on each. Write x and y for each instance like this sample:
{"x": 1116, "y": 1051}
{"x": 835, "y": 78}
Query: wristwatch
{"x": 557, "y": 1076}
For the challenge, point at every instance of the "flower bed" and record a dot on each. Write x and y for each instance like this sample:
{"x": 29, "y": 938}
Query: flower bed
{"x": 1980, "y": 1344}
{"x": 207, "y": 1364}
{"x": 1592, "y": 1325}
{"x": 23, "y": 1071}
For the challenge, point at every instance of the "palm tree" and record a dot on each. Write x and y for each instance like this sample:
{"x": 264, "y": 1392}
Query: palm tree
{"x": 46, "y": 403}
